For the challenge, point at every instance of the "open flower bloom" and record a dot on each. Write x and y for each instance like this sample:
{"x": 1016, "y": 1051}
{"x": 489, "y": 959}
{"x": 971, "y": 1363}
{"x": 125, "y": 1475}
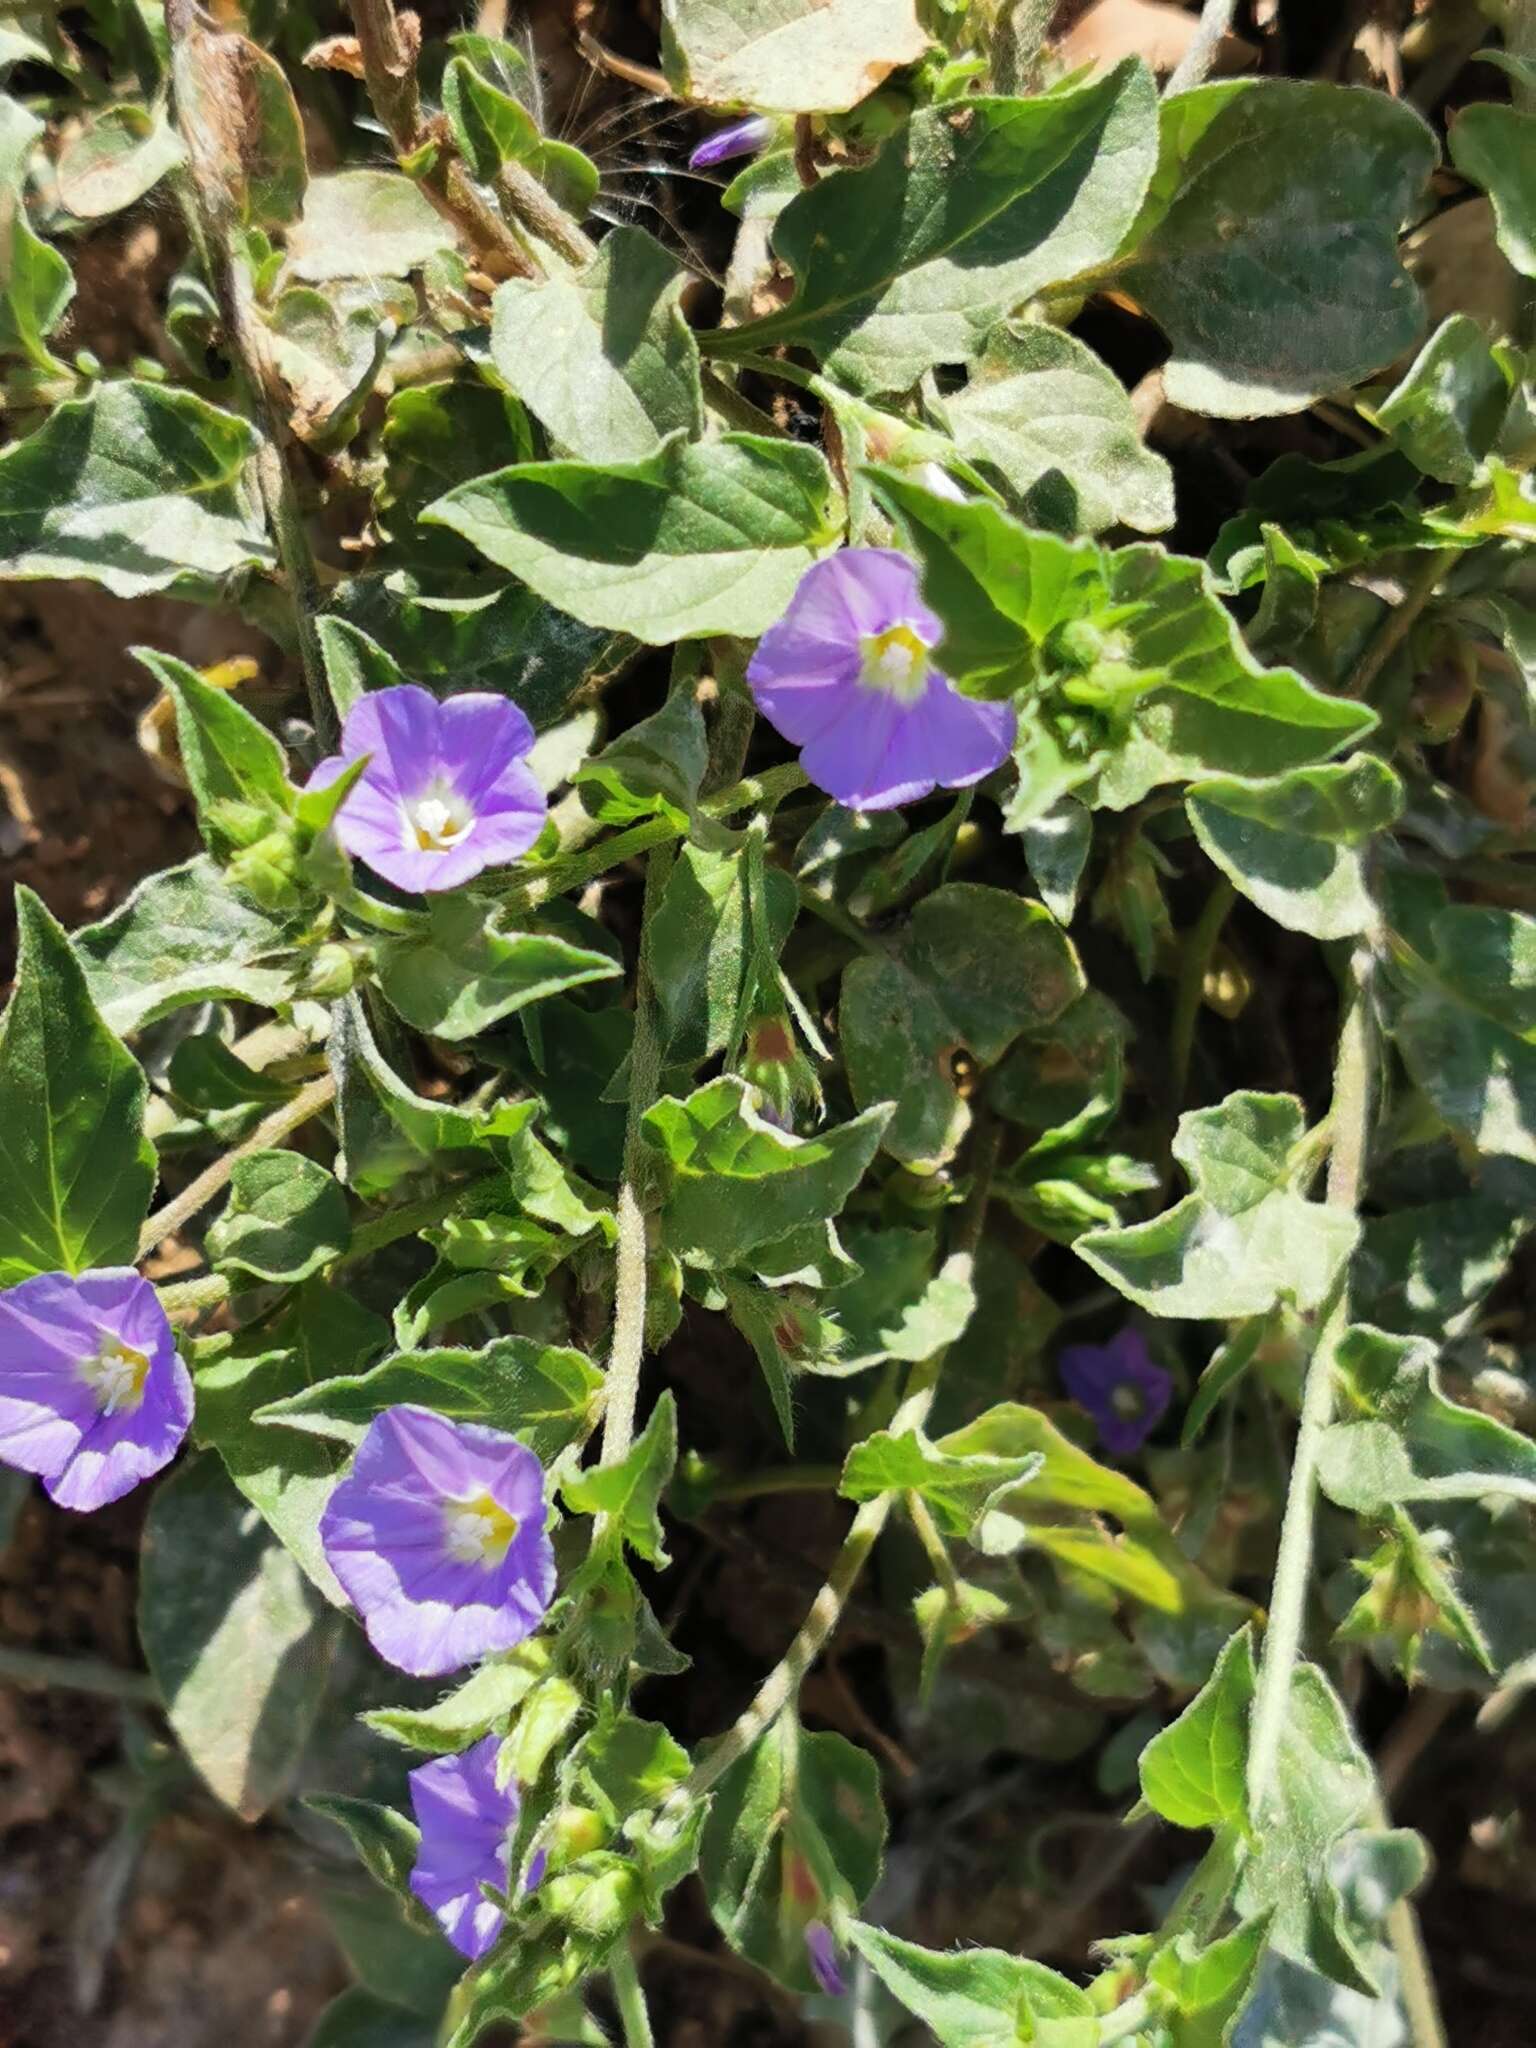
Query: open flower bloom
{"x": 438, "y": 1536}
{"x": 466, "y": 1826}
{"x": 740, "y": 138}
{"x": 447, "y": 791}
{"x": 1125, "y": 1393}
{"x": 846, "y": 675}
{"x": 94, "y": 1396}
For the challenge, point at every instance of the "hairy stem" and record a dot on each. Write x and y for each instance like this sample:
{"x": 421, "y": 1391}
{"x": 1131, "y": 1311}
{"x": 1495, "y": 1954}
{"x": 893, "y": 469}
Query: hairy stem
{"x": 783, "y": 1682}
{"x": 1351, "y": 1115}
{"x": 630, "y": 1998}
{"x": 76, "y": 1674}
{"x": 1192, "y": 67}
{"x": 272, "y": 1130}
{"x": 623, "y": 1385}
{"x": 1399, "y": 622}
{"x": 1199, "y": 949}
{"x": 191, "y": 1297}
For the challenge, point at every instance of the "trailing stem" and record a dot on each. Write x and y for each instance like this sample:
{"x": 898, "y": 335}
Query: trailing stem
{"x": 1353, "y": 1087}
{"x": 272, "y": 1130}
{"x": 783, "y": 1682}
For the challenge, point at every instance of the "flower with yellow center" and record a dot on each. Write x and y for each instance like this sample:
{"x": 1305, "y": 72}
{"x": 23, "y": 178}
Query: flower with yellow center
{"x": 895, "y": 663}
{"x": 115, "y": 1374}
{"x": 478, "y": 1531}
{"x": 438, "y": 820}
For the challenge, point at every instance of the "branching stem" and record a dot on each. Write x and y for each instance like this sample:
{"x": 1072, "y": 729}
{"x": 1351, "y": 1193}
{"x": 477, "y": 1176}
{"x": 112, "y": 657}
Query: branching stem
{"x": 272, "y": 1130}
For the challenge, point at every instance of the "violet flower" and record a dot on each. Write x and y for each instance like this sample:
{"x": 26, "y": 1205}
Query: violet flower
{"x": 845, "y": 675}
{"x": 438, "y": 1536}
{"x": 466, "y": 1825}
{"x": 94, "y": 1396}
{"x": 822, "y": 1954}
{"x": 741, "y": 138}
{"x": 447, "y": 791}
{"x": 1125, "y": 1393}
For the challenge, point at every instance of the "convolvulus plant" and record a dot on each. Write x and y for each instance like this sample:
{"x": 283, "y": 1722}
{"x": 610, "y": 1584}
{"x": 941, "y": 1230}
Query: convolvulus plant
{"x": 762, "y": 870}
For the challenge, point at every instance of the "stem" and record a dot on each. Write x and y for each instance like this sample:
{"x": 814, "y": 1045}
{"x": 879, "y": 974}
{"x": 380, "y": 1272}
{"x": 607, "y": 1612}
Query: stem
{"x": 623, "y": 1383}
{"x": 409, "y": 1217}
{"x": 389, "y": 72}
{"x": 1351, "y": 1114}
{"x": 783, "y": 1682}
{"x": 1215, "y": 20}
{"x": 778, "y": 1479}
{"x": 76, "y": 1674}
{"x": 383, "y": 917}
{"x": 191, "y": 1297}
{"x": 587, "y": 866}
{"x": 271, "y": 1131}
{"x": 1129, "y": 2018}
{"x": 211, "y": 118}
{"x": 630, "y": 1998}
{"x": 938, "y": 1550}
{"x": 1193, "y": 969}
{"x": 1395, "y": 627}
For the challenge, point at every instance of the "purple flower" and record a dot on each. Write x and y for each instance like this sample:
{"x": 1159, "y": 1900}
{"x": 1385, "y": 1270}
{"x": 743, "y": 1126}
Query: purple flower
{"x": 446, "y": 792}
{"x": 1125, "y": 1393}
{"x": 94, "y": 1396}
{"x": 438, "y": 1536}
{"x": 741, "y": 138}
{"x": 822, "y": 1953}
{"x": 465, "y": 1823}
{"x": 845, "y": 674}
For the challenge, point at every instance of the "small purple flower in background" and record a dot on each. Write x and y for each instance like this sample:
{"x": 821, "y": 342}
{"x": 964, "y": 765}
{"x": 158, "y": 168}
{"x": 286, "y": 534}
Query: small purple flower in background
{"x": 741, "y": 138}
{"x": 446, "y": 792}
{"x": 94, "y": 1396}
{"x": 845, "y": 675}
{"x": 438, "y": 1536}
{"x": 822, "y": 1953}
{"x": 466, "y": 1825}
{"x": 1125, "y": 1393}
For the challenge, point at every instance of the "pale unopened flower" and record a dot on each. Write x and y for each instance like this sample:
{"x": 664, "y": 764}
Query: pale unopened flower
{"x": 94, "y": 1396}
{"x": 847, "y": 675}
{"x": 447, "y": 791}
{"x": 740, "y": 138}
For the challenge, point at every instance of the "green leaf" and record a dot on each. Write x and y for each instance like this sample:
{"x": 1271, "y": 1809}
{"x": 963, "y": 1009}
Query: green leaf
{"x": 974, "y": 968}
{"x": 387, "y": 1130}
{"x": 435, "y": 436}
{"x": 654, "y": 765}
{"x": 386, "y": 1842}
{"x": 155, "y": 494}
{"x": 786, "y": 56}
{"x": 185, "y": 936}
{"x": 899, "y": 1306}
{"x": 969, "y": 209}
{"x": 464, "y": 971}
{"x": 1296, "y": 844}
{"x": 1194, "y": 1771}
{"x": 484, "y": 1701}
{"x": 1400, "y": 1440}
{"x": 287, "y": 1477}
{"x": 1140, "y": 631}
{"x": 230, "y": 758}
{"x": 795, "y": 1823}
{"x": 1245, "y": 1237}
{"x": 1211, "y": 1984}
{"x": 237, "y": 1640}
{"x": 365, "y": 224}
{"x": 1446, "y": 412}
{"x": 114, "y": 159}
{"x": 76, "y": 1171}
{"x": 1495, "y": 147}
{"x": 542, "y": 1393}
{"x": 1040, "y": 401}
{"x": 603, "y": 358}
{"x": 493, "y": 128}
{"x": 356, "y": 2019}
{"x": 695, "y": 539}
{"x": 629, "y": 1492}
{"x": 735, "y": 1183}
{"x": 36, "y": 284}
{"x": 978, "y": 1997}
{"x": 957, "y": 1487}
{"x": 1065, "y": 1080}
{"x": 1424, "y": 1271}
{"x": 285, "y": 1219}
{"x": 354, "y": 663}
{"x": 1267, "y": 249}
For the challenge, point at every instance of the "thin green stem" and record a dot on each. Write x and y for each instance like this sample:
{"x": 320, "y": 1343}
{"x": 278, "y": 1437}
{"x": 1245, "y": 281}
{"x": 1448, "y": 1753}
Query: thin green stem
{"x": 1199, "y": 948}
{"x": 384, "y": 917}
{"x": 409, "y": 1217}
{"x": 76, "y": 1674}
{"x": 1399, "y": 622}
{"x": 629, "y": 1995}
{"x": 1131, "y": 2018}
{"x": 191, "y": 1297}
{"x": 272, "y": 1130}
{"x": 933, "y": 1543}
{"x": 1351, "y": 1116}
{"x": 623, "y": 1383}
{"x": 574, "y": 873}
{"x": 783, "y": 1682}
{"x": 778, "y": 1479}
